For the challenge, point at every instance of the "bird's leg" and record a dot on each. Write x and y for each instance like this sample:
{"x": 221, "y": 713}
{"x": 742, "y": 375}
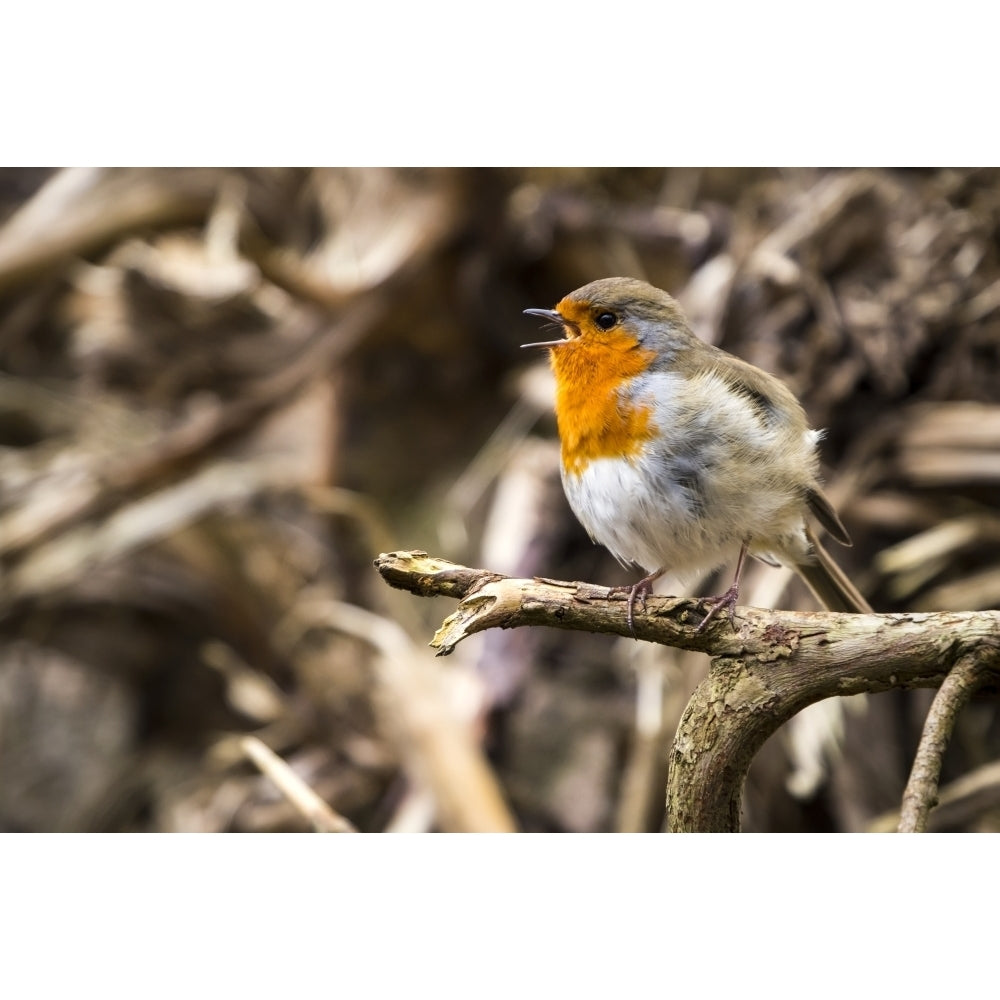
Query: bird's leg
{"x": 641, "y": 590}
{"x": 728, "y": 599}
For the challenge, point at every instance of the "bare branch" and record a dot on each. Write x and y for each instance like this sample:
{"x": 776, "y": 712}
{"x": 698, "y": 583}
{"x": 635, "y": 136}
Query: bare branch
{"x": 770, "y": 667}
{"x": 921, "y": 793}
{"x": 492, "y": 600}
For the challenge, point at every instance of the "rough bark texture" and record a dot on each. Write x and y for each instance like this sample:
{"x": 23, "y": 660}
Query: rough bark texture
{"x": 771, "y": 666}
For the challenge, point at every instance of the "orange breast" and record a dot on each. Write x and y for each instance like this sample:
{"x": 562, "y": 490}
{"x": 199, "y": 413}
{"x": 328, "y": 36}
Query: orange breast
{"x": 594, "y": 420}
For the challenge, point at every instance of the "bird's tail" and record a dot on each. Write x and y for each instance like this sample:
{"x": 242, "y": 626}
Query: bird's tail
{"x": 829, "y": 582}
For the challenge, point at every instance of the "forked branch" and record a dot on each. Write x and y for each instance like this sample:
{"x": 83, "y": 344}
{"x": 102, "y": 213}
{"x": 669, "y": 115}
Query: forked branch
{"x": 772, "y": 666}
{"x": 921, "y": 793}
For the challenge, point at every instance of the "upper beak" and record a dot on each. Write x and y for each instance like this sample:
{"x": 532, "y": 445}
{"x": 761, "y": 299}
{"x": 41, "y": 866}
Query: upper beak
{"x": 549, "y": 314}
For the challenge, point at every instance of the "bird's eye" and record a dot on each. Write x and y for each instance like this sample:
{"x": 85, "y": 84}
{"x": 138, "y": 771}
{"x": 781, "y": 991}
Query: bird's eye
{"x": 606, "y": 320}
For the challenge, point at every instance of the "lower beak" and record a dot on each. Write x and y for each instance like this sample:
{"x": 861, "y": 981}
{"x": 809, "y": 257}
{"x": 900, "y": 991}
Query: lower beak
{"x": 553, "y": 316}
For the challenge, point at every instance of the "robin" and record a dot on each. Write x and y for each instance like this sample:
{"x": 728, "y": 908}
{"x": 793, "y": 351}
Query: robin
{"x": 678, "y": 456}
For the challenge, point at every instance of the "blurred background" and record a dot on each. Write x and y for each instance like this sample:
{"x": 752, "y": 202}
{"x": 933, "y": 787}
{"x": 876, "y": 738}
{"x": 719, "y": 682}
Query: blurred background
{"x": 224, "y": 392}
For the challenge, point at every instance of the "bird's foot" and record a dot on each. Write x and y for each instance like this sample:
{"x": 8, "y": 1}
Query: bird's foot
{"x": 638, "y": 591}
{"x": 727, "y": 601}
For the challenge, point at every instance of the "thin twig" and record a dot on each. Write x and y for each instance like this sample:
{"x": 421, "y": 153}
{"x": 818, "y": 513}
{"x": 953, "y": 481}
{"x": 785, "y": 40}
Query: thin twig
{"x": 960, "y": 803}
{"x": 921, "y": 793}
{"x": 308, "y": 803}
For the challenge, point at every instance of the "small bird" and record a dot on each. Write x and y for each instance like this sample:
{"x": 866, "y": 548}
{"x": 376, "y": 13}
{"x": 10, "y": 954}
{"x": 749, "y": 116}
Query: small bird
{"x": 677, "y": 456}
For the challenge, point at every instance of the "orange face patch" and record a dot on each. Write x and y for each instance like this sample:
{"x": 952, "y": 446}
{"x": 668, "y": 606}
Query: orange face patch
{"x": 590, "y": 369}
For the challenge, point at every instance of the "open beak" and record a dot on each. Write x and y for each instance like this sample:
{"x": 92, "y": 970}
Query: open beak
{"x": 552, "y": 316}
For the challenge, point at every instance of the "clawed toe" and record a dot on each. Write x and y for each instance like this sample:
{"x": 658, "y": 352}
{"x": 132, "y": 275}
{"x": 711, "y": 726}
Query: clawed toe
{"x": 638, "y": 591}
{"x": 728, "y": 602}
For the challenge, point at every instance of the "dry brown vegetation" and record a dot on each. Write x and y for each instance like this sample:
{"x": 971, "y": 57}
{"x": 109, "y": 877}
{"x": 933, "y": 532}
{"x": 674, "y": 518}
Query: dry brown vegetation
{"x": 224, "y": 392}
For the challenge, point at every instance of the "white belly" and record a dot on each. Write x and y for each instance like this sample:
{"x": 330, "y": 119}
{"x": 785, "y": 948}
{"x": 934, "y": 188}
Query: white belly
{"x": 628, "y": 511}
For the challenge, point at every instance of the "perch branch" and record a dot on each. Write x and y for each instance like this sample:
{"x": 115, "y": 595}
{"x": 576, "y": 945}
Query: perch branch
{"x": 770, "y": 667}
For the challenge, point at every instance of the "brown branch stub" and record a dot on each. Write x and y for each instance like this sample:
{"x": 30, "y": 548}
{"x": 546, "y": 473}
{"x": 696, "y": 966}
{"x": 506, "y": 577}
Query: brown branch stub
{"x": 430, "y": 576}
{"x": 492, "y": 600}
{"x": 921, "y": 794}
{"x": 772, "y": 666}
